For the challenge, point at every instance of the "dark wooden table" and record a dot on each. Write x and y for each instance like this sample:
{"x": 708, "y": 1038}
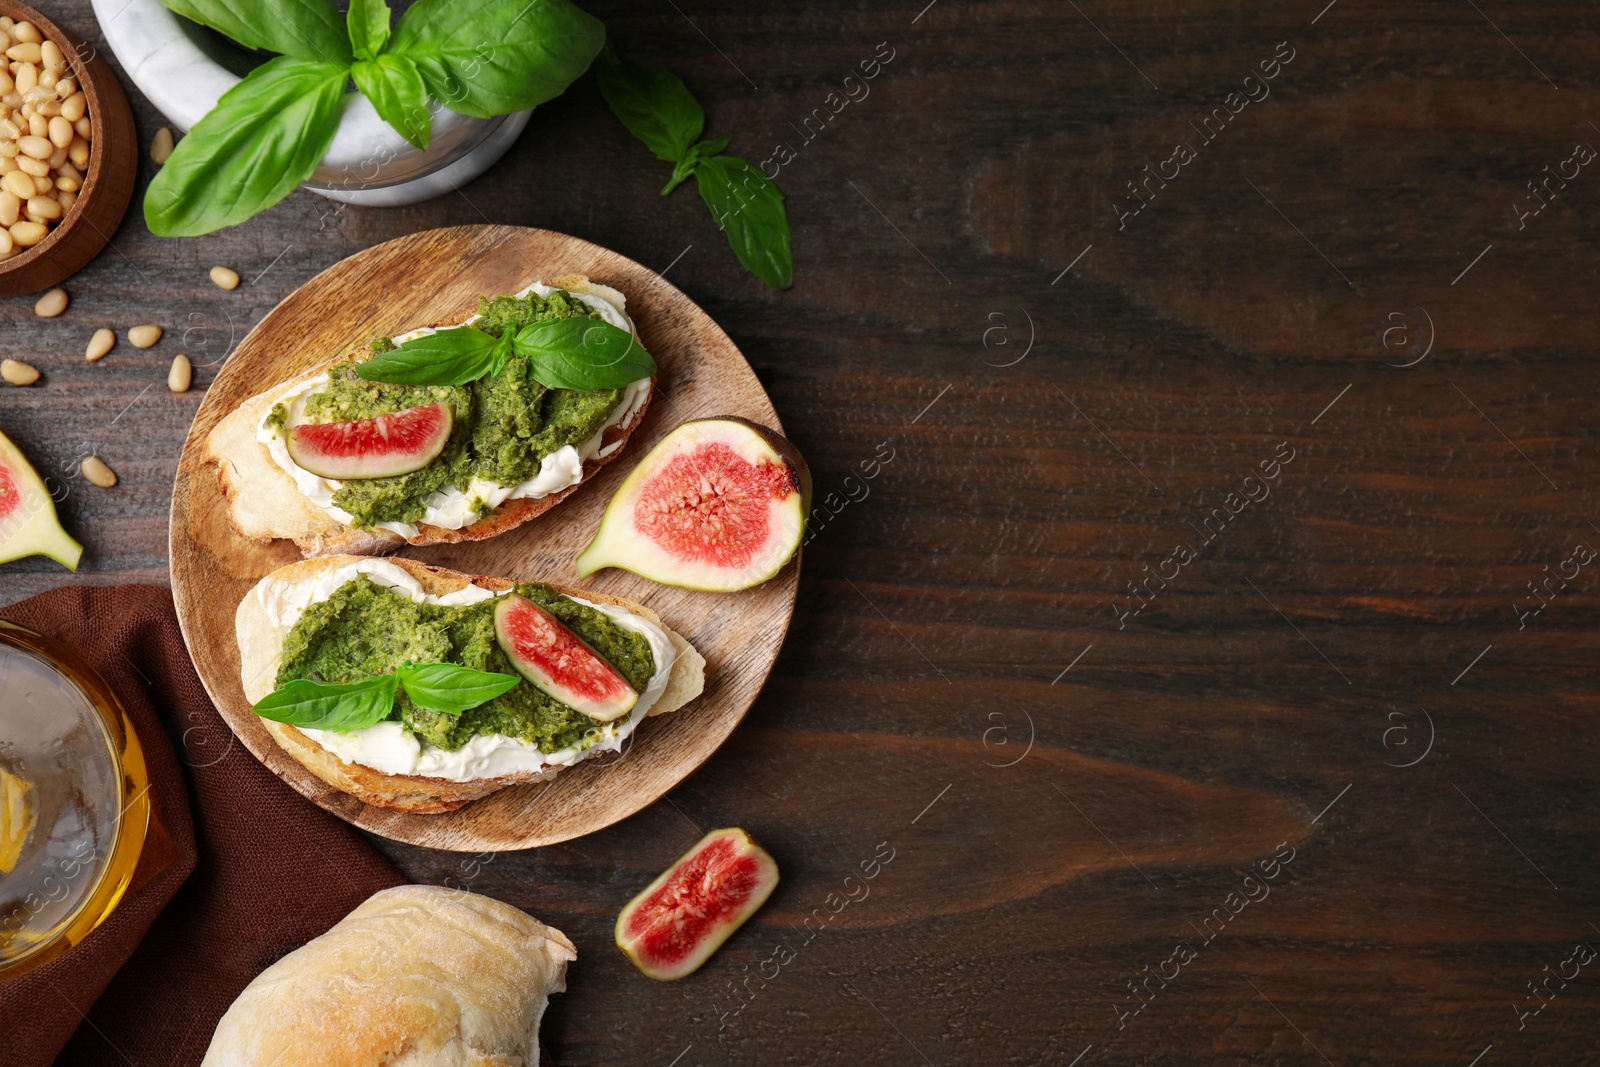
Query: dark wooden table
{"x": 1043, "y": 658}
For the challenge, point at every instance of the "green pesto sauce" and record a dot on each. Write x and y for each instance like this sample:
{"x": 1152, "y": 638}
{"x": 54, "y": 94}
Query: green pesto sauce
{"x": 365, "y": 629}
{"x": 504, "y": 425}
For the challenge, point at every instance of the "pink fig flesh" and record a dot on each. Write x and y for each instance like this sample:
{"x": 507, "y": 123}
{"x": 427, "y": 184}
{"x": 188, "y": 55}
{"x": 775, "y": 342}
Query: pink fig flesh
{"x": 28, "y": 523}
{"x": 685, "y": 915}
{"x": 719, "y": 504}
{"x": 558, "y": 662}
{"x": 380, "y": 447}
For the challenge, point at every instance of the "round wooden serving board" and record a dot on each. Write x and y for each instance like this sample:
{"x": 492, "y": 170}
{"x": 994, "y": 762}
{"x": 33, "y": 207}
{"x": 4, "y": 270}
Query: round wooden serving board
{"x": 438, "y": 276}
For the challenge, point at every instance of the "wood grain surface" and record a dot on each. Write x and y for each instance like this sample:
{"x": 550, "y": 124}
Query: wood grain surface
{"x": 1057, "y": 832}
{"x": 437, "y": 276}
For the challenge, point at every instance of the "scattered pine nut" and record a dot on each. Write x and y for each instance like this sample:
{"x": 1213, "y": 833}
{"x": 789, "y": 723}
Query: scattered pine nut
{"x": 95, "y": 469}
{"x": 181, "y": 374}
{"x": 18, "y": 373}
{"x": 102, "y": 342}
{"x": 51, "y": 304}
{"x": 161, "y": 146}
{"x": 225, "y": 278}
{"x": 144, "y": 336}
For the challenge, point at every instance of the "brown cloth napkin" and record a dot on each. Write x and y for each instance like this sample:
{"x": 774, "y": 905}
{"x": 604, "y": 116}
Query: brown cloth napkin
{"x": 257, "y": 872}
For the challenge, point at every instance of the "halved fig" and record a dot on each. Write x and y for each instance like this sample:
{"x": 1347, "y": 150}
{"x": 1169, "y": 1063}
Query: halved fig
{"x": 28, "y": 523}
{"x": 684, "y": 916}
{"x": 559, "y": 662}
{"x": 380, "y": 447}
{"x": 720, "y": 504}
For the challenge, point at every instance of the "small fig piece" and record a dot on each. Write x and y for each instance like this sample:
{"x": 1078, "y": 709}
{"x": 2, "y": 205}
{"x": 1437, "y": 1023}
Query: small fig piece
{"x": 381, "y": 447}
{"x": 28, "y": 524}
{"x": 559, "y": 662}
{"x": 684, "y": 916}
{"x": 720, "y": 504}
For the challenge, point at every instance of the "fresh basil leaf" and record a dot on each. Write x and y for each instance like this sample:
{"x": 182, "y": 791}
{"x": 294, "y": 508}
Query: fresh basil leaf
{"x": 749, "y": 208}
{"x": 306, "y": 29}
{"x": 583, "y": 353}
{"x": 450, "y": 688}
{"x": 264, "y": 137}
{"x": 503, "y": 351}
{"x": 342, "y": 706}
{"x": 368, "y": 22}
{"x": 497, "y": 56}
{"x": 445, "y": 357}
{"x": 395, "y": 88}
{"x": 686, "y": 166}
{"x": 656, "y": 106}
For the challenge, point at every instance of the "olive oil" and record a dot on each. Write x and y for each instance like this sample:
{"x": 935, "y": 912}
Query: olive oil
{"x": 76, "y": 799}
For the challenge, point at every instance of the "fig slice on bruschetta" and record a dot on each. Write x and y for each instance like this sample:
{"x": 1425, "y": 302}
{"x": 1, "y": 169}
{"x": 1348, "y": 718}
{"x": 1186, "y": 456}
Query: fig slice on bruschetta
{"x": 484, "y": 429}
{"x": 392, "y": 680}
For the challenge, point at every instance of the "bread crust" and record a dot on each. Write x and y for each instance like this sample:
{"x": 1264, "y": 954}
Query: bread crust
{"x": 259, "y": 657}
{"x": 418, "y": 975}
{"x": 264, "y": 504}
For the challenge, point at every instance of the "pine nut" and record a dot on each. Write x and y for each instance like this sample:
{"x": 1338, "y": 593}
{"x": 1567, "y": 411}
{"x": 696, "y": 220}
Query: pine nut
{"x": 224, "y": 278}
{"x": 102, "y": 342}
{"x": 18, "y": 373}
{"x": 161, "y": 146}
{"x": 28, "y": 234}
{"x": 45, "y": 135}
{"x": 95, "y": 469}
{"x": 51, "y": 304}
{"x": 144, "y": 336}
{"x": 181, "y": 375}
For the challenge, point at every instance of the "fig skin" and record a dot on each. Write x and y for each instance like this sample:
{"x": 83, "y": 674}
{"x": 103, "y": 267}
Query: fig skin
{"x": 32, "y": 528}
{"x": 609, "y": 548}
{"x": 713, "y": 938}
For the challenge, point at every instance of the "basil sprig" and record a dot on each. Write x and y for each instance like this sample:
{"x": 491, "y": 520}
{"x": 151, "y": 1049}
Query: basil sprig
{"x": 346, "y": 706}
{"x": 574, "y": 353}
{"x": 268, "y": 133}
{"x": 658, "y": 108}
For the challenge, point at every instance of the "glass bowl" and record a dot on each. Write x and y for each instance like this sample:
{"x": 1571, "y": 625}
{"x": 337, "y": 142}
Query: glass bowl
{"x": 74, "y": 799}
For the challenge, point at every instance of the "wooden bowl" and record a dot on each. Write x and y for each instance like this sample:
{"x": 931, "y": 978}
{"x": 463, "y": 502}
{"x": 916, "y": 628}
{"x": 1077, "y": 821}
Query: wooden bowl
{"x": 107, "y": 188}
{"x": 436, "y": 276}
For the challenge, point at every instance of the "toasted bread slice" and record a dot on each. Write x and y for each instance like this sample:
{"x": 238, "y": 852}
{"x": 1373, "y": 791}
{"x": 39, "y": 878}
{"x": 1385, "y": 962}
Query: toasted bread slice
{"x": 260, "y": 647}
{"x": 265, "y": 504}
